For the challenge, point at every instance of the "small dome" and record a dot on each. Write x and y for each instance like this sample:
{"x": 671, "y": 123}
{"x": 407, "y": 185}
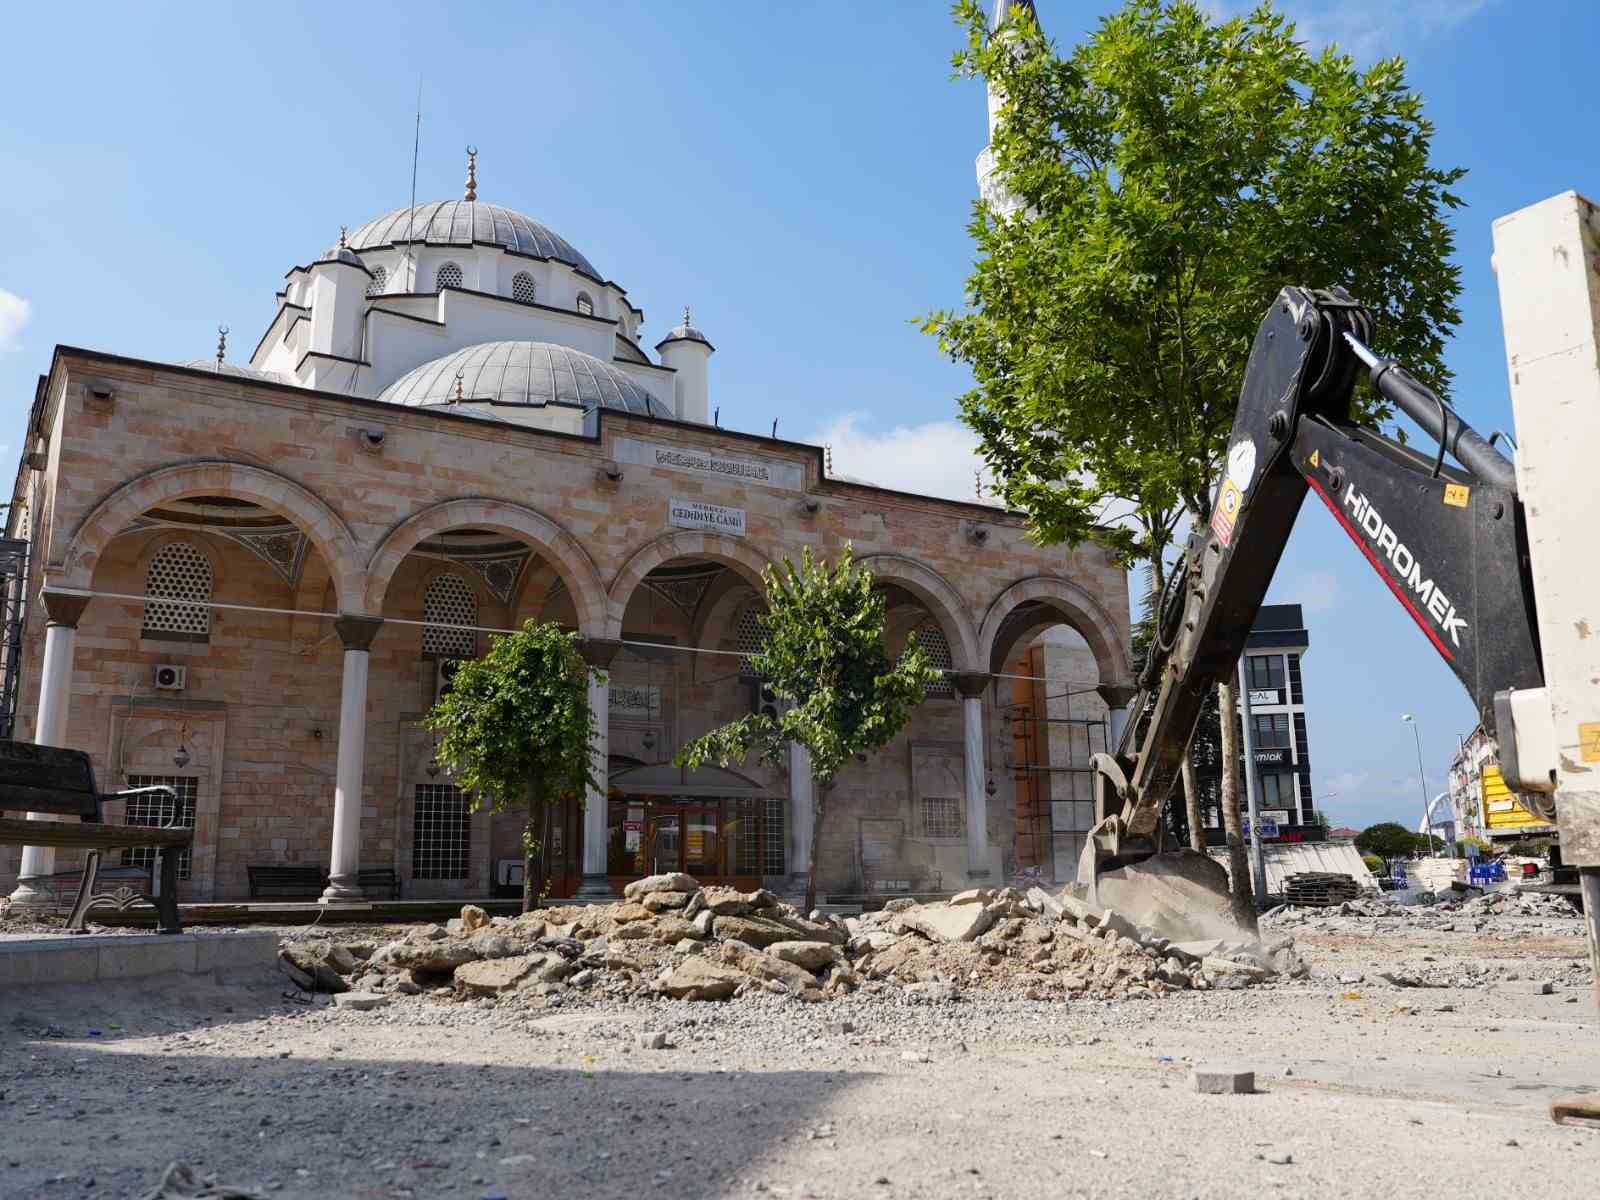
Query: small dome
{"x": 228, "y": 368}
{"x": 466, "y": 223}
{"x": 683, "y": 331}
{"x": 530, "y": 374}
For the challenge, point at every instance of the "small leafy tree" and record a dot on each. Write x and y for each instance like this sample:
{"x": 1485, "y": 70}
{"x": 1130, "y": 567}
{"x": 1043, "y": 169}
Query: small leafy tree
{"x": 823, "y": 654}
{"x": 1388, "y": 840}
{"x": 516, "y": 730}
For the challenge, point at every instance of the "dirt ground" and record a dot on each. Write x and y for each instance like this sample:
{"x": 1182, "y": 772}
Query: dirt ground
{"x": 1363, "y": 1090}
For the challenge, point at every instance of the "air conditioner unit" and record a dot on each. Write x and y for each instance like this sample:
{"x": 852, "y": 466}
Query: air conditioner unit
{"x": 444, "y": 673}
{"x": 508, "y": 872}
{"x": 171, "y": 677}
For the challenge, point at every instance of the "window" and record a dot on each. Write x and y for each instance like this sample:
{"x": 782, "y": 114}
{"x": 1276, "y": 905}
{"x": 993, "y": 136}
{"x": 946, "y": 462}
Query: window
{"x": 1277, "y": 790}
{"x": 380, "y": 280}
{"x": 585, "y": 305}
{"x": 448, "y": 275}
{"x": 441, "y": 839}
{"x": 1297, "y": 692}
{"x": 522, "y": 290}
{"x": 941, "y": 817}
{"x": 1302, "y": 745}
{"x": 1271, "y": 730}
{"x": 1266, "y": 671}
{"x": 157, "y": 810}
{"x": 937, "y": 647}
{"x": 447, "y": 605}
{"x": 178, "y": 572}
{"x": 747, "y": 639}
{"x": 774, "y": 839}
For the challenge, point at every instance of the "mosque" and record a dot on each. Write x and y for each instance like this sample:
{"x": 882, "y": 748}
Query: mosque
{"x": 250, "y": 580}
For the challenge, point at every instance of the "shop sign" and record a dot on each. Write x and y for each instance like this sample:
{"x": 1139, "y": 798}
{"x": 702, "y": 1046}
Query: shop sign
{"x": 1266, "y": 696}
{"x": 1272, "y": 758}
{"x": 696, "y": 514}
{"x": 634, "y": 702}
{"x": 708, "y": 464}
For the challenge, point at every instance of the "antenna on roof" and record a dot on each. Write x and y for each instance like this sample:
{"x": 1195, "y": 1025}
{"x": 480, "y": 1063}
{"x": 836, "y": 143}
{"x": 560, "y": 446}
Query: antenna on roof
{"x": 774, "y": 426}
{"x": 416, "y": 145}
{"x": 222, "y": 345}
{"x": 716, "y": 417}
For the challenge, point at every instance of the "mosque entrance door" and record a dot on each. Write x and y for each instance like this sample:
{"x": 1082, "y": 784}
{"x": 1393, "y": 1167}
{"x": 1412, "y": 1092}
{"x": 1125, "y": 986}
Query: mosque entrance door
{"x": 708, "y": 823}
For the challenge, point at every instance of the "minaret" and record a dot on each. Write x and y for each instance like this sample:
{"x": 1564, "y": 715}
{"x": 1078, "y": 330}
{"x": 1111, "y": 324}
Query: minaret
{"x": 686, "y": 350}
{"x": 989, "y": 186}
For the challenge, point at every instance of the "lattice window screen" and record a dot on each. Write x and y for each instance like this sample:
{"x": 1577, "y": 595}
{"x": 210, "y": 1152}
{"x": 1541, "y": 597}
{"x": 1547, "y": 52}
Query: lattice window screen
{"x": 380, "y": 280}
{"x": 157, "y": 810}
{"x": 522, "y": 289}
{"x": 774, "y": 838}
{"x": 181, "y": 572}
{"x": 585, "y": 305}
{"x": 747, "y": 638}
{"x": 448, "y": 275}
{"x": 941, "y": 817}
{"x": 937, "y": 647}
{"x": 441, "y": 832}
{"x": 449, "y": 601}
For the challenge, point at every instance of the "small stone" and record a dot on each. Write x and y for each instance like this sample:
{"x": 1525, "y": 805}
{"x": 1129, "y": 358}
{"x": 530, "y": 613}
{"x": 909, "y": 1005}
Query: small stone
{"x": 915, "y": 1056}
{"x": 473, "y": 917}
{"x": 1528, "y": 987}
{"x": 360, "y": 1001}
{"x": 652, "y": 1039}
{"x": 1224, "y": 1081}
{"x": 840, "y": 1028}
{"x": 1281, "y": 1158}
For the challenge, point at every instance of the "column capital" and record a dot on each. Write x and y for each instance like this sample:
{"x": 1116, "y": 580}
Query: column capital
{"x": 63, "y": 608}
{"x": 1117, "y": 695}
{"x": 357, "y": 632}
{"x": 598, "y": 652}
{"x": 971, "y": 684}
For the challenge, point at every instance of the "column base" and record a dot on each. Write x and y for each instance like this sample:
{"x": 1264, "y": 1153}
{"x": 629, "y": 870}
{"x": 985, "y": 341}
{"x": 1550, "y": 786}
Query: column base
{"x": 29, "y": 896}
{"x": 595, "y": 887}
{"x": 342, "y": 889}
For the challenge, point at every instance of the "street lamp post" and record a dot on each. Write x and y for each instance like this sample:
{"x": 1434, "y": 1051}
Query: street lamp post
{"x": 1427, "y": 813}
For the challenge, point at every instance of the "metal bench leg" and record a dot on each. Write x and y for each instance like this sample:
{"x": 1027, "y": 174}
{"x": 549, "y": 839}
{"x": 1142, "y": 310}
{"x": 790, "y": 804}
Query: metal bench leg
{"x": 80, "y": 906}
{"x": 166, "y": 900}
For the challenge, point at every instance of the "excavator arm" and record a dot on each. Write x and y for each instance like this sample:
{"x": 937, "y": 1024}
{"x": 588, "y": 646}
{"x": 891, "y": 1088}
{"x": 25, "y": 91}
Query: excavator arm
{"x": 1447, "y": 539}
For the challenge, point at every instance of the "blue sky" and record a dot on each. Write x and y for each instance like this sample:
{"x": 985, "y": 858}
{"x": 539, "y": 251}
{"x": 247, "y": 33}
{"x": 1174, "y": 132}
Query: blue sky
{"x": 801, "y": 175}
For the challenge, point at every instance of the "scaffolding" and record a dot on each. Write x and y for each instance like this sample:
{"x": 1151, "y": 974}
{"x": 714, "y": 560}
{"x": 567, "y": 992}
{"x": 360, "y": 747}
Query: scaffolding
{"x": 14, "y": 598}
{"x": 1049, "y": 769}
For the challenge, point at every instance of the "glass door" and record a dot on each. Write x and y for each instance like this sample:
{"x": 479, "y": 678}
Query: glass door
{"x": 703, "y": 841}
{"x": 666, "y": 843}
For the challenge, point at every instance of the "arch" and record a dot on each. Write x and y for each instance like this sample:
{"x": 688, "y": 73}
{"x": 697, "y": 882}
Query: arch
{"x": 217, "y": 477}
{"x": 686, "y": 544}
{"x": 938, "y": 597}
{"x": 502, "y": 516}
{"x": 1075, "y": 607}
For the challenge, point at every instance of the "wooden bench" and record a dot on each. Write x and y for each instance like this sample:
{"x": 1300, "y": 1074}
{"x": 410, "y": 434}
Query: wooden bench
{"x": 275, "y": 881}
{"x": 52, "y": 779}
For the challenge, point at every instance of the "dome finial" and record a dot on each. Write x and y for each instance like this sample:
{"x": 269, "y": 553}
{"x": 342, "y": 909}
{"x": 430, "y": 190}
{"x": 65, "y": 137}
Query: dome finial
{"x": 686, "y": 316}
{"x": 459, "y": 396}
{"x": 222, "y": 345}
{"x": 472, "y": 173}
{"x": 342, "y": 232}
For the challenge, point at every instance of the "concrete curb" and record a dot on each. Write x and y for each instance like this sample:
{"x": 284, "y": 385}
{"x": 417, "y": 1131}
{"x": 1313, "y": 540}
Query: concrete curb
{"x": 45, "y": 961}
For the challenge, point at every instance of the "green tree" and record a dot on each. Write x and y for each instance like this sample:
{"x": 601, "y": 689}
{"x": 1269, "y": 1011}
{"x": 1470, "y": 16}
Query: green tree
{"x": 1388, "y": 840}
{"x": 823, "y": 655}
{"x": 516, "y": 731}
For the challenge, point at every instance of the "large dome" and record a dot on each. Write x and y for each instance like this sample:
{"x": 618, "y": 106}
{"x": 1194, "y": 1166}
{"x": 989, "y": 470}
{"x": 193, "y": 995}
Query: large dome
{"x": 530, "y": 374}
{"x": 467, "y": 223}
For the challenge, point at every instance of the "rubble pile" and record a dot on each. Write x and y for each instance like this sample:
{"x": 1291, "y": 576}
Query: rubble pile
{"x": 671, "y": 937}
{"x": 1501, "y": 913}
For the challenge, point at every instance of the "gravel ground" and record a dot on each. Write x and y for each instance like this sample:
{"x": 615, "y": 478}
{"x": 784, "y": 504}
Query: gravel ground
{"x": 1365, "y": 1089}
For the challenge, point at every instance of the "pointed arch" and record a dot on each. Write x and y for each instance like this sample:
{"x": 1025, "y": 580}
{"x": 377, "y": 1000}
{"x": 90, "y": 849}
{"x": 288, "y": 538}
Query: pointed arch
{"x": 1070, "y": 604}
{"x": 939, "y": 597}
{"x": 550, "y": 540}
{"x": 731, "y": 552}
{"x": 313, "y": 516}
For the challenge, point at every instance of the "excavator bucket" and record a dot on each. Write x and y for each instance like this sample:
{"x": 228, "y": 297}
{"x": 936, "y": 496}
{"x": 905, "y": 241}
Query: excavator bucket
{"x": 1181, "y": 894}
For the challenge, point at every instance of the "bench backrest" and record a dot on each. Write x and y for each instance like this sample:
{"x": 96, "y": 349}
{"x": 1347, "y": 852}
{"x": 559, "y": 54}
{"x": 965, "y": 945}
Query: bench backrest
{"x": 47, "y": 779}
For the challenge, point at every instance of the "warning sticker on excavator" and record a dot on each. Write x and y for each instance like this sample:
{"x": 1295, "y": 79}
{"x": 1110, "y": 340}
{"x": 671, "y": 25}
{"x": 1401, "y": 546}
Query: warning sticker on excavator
{"x": 1456, "y": 494}
{"x": 1316, "y": 458}
{"x": 1227, "y": 512}
{"x": 1589, "y": 741}
{"x": 1242, "y": 463}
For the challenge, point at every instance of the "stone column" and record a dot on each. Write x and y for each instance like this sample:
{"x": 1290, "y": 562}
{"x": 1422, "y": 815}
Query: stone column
{"x": 344, "y": 859}
{"x": 972, "y": 685}
{"x": 802, "y": 813}
{"x": 63, "y": 610}
{"x": 1117, "y": 697}
{"x": 598, "y": 653}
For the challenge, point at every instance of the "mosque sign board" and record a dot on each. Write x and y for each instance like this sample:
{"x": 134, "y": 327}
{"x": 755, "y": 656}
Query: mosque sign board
{"x": 696, "y": 514}
{"x": 632, "y": 702}
{"x": 707, "y": 464}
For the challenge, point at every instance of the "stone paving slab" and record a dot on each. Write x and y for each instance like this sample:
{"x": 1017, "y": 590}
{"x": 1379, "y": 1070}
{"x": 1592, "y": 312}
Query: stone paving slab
{"x": 38, "y": 962}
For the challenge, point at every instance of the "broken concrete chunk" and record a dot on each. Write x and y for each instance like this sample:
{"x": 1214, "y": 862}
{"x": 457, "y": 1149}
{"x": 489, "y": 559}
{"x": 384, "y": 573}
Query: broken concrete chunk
{"x": 1528, "y": 987}
{"x": 473, "y": 917}
{"x": 1113, "y": 923}
{"x": 360, "y": 1001}
{"x": 490, "y": 977}
{"x": 700, "y": 978}
{"x": 765, "y": 967}
{"x": 1045, "y": 903}
{"x": 652, "y": 1039}
{"x": 657, "y": 902}
{"x": 668, "y": 930}
{"x": 813, "y": 956}
{"x": 1226, "y": 966}
{"x": 972, "y": 896}
{"x": 1078, "y": 908}
{"x": 1224, "y": 1081}
{"x": 964, "y": 923}
{"x": 900, "y": 904}
{"x": 672, "y": 881}
{"x": 753, "y": 931}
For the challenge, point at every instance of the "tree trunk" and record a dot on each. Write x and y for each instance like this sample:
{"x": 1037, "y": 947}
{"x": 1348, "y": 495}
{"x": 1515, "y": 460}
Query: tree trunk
{"x": 1244, "y": 904}
{"x": 1191, "y": 800}
{"x": 819, "y": 801}
{"x": 532, "y": 849}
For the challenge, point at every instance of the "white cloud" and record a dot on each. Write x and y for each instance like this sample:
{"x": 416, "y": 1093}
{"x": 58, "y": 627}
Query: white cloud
{"x": 1370, "y": 29}
{"x": 939, "y": 458}
{"x": 15, "y": 313}
{"x": 1313, "y": 591}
